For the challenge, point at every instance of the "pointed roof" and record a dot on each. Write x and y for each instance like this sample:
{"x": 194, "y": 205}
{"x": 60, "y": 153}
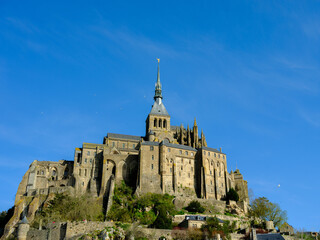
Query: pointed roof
{"x": 158, "y": 90}
{"x": 158, "y": 108}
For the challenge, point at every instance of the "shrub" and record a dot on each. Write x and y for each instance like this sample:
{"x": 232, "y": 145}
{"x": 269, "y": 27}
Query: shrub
{"x": 232, "y": 195}
{"x": 195, "y": 207}
{"x": 163, "y": 221}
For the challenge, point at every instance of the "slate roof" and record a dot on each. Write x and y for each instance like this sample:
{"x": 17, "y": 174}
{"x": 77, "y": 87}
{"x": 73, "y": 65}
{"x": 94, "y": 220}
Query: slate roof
{"x": 158, "y": 108}
{"x": 211, "y": 149}
{"x": 270, "y": 236}
{"x": 167, "y": 144}
{"x": 123, "y": 136}
{"x": 150, "y": 143}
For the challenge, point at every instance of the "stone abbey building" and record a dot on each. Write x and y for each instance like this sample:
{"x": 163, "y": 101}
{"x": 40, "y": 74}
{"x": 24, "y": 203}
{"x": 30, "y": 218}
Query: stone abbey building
{"x": 167, "y": 159}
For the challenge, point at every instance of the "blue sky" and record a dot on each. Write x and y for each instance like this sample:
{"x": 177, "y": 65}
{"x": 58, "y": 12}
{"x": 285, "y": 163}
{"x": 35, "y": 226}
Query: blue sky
{"x": 247, "y": 70}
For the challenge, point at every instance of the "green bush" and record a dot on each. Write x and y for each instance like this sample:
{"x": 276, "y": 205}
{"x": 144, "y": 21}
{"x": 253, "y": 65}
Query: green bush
{"x": 232, "y": 195}
{"x": 163, "y": 220}
{"x": 68, "y": 208}
{"x": 195, "y": 207}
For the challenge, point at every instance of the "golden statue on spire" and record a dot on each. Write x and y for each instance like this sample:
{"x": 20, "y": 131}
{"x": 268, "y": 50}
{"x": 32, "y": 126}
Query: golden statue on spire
{"x": 158, "y": 60}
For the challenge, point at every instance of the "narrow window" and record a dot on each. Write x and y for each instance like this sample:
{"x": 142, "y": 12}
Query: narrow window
{"x": 219, "y": 156}
{"x": 208, "y": 153}
{"x": 85, "y": 172}
{"x": 90, "y": 160}
{"x": 133, "y": 145}
{"x": 85, "y": 160}
{"x": 189, "y": 161}
{"x": 191, "y": 169}
{"x": 151, "y": 166}
{"x": 160, "y": 123}
{"x": 169, "y": 150}
{"x": 204, "y": 152}
{"x": 38, "y": 172}
{"x": 171, "y": 170}
{"x": 211, "y": 163}
{"x": 123, "y": 145}
{"x": 113, "y": 144}
{"x": 223, "y": 156}
{"x": 82, "y": 183}
{"x": 151, "y": 148}
{"x": 188, "y": 174}
{"x": 88, "y": 153}
{"x": 179, "y": 174}
{"x": 164, "y": 123}
{"x": 211, "y": 182}
{"x": 186, "y": 153}
{"x": 79, "y": 172}
{"x": 152, "y": 157}
{"x": 42, "y": 172}
{"x": 219, "y": 174}
{"x": 181, "y": 167}
{"x": 192, "y": 154}
{"x": 180, "y": 152}
{"x": 215, "y": 155}
{"x": 155, "y": 122}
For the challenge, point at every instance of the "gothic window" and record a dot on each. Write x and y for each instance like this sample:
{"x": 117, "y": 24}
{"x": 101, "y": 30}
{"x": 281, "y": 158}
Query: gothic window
{"x": 160, "y": 123}
{"x": 151, "y": 148}
{"x": 152, "y": 157}
{"x": 85, "y": 160}
{"x": 151, "y": 166}
{"x": 155, "y": 122}
{"x": 88, "y": 153}
{"x": 186, "y": 153}
{"x": 165, "y": 123}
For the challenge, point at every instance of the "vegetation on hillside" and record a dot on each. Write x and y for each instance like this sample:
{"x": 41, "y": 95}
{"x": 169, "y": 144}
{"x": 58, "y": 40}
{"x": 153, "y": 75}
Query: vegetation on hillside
{"x": 262, "y": 208}
{"x": 213, "y": 227}
{"x": 4, "y": 218}
{"x": 232, "y": 195}
{"x": 67, "y": 208}
{"x": 154, "y": 210}
{"x": 195, "y": 207}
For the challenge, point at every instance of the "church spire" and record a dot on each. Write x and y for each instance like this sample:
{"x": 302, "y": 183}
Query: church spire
{"x": 158, "y": 91}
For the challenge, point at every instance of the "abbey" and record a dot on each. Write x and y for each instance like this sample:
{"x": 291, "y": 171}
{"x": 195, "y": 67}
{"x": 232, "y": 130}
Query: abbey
{"x": 167, "y": 159}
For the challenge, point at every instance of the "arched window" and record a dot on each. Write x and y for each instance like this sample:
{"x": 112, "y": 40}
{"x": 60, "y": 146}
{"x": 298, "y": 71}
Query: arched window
{"x": 211, "y": 163}
{"x": 155, "y": 122}
{"x": 164, "y": 123}
{"x": 160, "y": 123}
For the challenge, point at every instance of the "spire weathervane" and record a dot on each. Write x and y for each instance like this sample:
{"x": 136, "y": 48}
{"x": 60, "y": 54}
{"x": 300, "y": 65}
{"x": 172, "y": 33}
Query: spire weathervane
{"x": 158, "y": 91}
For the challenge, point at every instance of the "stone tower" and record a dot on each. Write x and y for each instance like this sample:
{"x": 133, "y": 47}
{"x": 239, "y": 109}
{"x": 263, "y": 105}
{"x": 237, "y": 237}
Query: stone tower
{"x": 158, "y": 120}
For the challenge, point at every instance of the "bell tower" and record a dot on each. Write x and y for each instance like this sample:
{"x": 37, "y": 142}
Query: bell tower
{"x": 158, "y": 120}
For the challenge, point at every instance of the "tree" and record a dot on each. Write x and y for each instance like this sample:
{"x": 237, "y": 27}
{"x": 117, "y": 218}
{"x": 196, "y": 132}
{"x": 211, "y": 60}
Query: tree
{"x": 232, "y": 195}
{"x": 261, "y": 207}
{"x": 195, "y": 207}
{"x": 163, "y": 221}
